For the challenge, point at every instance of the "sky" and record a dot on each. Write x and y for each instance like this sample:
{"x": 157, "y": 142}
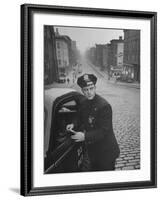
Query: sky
{"x": 88, "y": 37}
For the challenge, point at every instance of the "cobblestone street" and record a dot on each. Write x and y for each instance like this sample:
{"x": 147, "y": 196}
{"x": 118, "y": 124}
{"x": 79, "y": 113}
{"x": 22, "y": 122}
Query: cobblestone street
{"x": 126, "y": 122}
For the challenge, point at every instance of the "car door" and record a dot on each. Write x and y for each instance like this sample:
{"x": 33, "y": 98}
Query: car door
{"x": 64, "y": 155}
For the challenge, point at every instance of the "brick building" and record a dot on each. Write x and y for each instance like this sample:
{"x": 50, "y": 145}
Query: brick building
{"x": 115, "y": 55}
{"x": 92, "y": 55}
{"x": 108, "y": 57}
{"x": 132, "y": 54}
{"x": 50, "y": 60}
{"x": 67, "y": 53}
{"x": 63, "y": 48}
{"x": 101, "y": 56}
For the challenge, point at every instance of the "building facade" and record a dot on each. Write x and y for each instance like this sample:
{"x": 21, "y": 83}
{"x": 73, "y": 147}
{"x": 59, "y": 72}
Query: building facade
{"x": 92, "y": 55}
{"x": 101, "y": 56}
{"x": 62, "y": 53}
{"x": 120, "y": 54}
{"x": 67, "y": 53}
{"x": 115, "y": 55}
{"x": 75, "y": 54}
{"x": 50, "y": 59}
{"x": 63, "y": 44}
{"x": 132, "y": 54}
{"x": 105, "y": 57}
{"x": 108, "y": 57}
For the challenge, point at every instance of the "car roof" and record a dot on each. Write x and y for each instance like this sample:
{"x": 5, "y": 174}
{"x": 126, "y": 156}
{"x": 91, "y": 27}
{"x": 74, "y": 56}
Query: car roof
{"x": 53, "y": 93}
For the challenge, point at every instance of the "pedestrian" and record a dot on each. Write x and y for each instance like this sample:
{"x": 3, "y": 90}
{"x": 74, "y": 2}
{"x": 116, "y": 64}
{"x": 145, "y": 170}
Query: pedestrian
{"x": 68, "y": 80}
{"x": 97, "y": 129}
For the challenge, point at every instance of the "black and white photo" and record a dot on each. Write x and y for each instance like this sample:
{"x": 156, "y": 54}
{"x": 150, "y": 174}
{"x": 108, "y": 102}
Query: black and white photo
{"x": 80, "y": 62}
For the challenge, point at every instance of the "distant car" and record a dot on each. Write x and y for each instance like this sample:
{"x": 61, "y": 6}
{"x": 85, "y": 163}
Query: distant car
{"x": 62, "y": 78}
{"x": 61, "y": 153}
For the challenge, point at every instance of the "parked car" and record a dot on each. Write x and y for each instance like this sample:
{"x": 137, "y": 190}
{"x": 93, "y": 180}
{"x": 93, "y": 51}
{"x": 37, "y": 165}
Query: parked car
{"x": 62, "y": 78}
{"x": 125, "y": 79}
{"x": 61, "y": 153}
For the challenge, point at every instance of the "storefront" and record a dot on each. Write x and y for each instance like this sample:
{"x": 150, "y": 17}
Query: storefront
{"x": 131, "y": 72}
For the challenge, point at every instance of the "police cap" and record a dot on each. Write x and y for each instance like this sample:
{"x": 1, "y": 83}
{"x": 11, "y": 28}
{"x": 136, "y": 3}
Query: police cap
{"x": 86, "y": 80}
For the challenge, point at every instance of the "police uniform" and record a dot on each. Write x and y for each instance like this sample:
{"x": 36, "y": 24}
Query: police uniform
{"x": 96, "y": 118}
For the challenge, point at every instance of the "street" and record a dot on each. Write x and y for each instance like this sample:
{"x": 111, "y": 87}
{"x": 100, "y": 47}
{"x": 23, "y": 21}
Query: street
{"x": 125, "y": 102}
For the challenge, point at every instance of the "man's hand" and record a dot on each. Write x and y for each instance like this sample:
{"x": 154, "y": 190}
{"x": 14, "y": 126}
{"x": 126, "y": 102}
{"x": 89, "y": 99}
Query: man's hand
{"x": 78, "y": 136}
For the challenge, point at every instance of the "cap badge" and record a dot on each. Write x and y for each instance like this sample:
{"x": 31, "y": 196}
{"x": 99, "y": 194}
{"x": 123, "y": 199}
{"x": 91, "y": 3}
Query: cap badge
{"x": 86, "y": 78}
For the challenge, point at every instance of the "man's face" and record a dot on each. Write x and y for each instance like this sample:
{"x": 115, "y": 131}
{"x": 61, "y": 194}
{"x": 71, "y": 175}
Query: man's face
{"x": 89, "y": 91}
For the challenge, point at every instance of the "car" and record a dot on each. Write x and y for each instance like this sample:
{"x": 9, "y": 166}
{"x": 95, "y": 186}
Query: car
{"x": 62, "y": 79}
{"x": 61, "y": 153}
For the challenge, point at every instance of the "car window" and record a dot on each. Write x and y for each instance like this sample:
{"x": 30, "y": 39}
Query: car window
{"x": 70, "y": 106}
{"x": 70, "y": 103}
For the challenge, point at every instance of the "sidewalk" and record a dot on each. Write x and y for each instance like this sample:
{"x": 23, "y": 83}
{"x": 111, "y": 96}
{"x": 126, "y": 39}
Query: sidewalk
{"x": 59, "y": 85}
{"x": 112, "y": 80}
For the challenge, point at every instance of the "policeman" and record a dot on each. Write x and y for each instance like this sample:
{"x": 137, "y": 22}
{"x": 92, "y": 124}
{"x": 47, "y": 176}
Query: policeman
{"x": 96, "y": 118}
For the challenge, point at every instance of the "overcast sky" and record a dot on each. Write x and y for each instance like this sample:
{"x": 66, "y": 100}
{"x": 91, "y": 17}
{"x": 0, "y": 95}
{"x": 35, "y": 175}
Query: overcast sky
{"x": 88, "y": 37}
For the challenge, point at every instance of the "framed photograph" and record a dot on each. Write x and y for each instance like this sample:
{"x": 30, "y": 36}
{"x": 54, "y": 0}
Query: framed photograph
{"x": 88, "y": 99}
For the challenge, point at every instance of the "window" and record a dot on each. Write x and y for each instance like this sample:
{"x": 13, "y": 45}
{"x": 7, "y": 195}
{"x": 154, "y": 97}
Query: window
{"x": 68, "y": 107}
{"x": 59, "y": 62}
{"x": 58, "y": 52}
{"x": 65, "y": 62}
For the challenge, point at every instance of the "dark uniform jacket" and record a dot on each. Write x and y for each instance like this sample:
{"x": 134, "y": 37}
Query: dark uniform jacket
{"x": 102, "y": 147}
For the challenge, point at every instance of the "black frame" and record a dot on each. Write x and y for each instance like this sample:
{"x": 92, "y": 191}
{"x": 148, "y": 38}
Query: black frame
{"x": 27, "y": 11}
